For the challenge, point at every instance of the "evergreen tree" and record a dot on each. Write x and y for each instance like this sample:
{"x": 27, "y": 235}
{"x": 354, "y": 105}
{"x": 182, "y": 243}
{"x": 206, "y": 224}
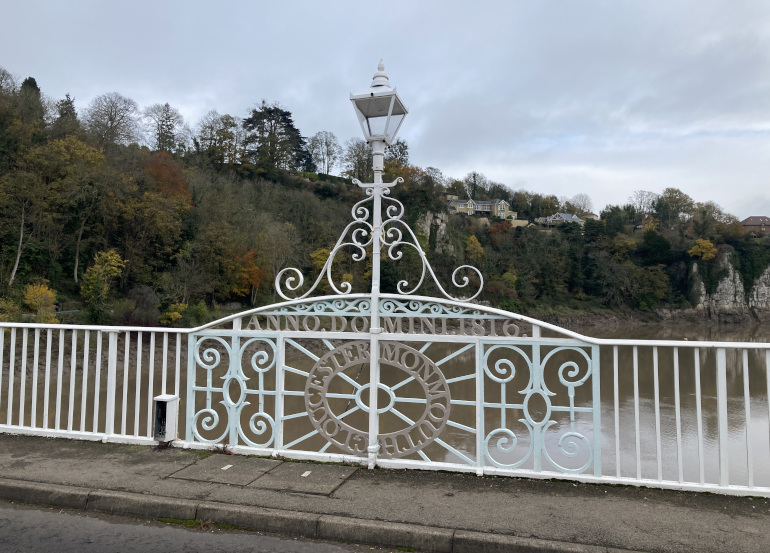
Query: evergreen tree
{"x": 66, "y": 122}
{"x": 273, "y": 140}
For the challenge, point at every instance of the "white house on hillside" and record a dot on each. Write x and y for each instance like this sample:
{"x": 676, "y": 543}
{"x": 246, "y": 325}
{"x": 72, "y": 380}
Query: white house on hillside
{"x": 494, "y": 208}
{"x": 559, "y": 218}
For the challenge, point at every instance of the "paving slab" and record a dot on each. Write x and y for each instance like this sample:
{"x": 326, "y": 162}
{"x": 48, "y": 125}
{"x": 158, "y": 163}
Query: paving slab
{"x": 234, "y": 470}
{"x": 310, "y": 478}
{"x": 481, "y": 513}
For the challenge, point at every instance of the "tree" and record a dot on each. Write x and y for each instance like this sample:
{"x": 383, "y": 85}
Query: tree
{"x": 278, "y": 247}
{"x": 166, "y": 177}
{"x": 398, "y": 153}
{"x": 112, "y": 119}
{"x": 165, "y": 122}
{"x": 31, "y": 109}
{"x": 107, "y": 267}
{"x": 582, "y": 203}
{"x": 274, "y": 141}
{"x": 703, "y": 249}
{"x": 42, "y": 300}
{"x": 357, "y": 160}
{"x": 221, "y": 138}
{"x": 433, "y": 177}
{"x": 673, "y": 208}
{"x": 66, "y": 121}
{"x": 22, "y": 193}
{"x": 474, "y": 183}
{"x": 643, "y": 201}
{"x": 654, "y": 249}
{"x": 473, "y": 249}
{"x": 325, "y": 150}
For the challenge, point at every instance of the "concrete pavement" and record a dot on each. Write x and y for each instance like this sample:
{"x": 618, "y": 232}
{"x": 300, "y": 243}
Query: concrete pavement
{"x": 425, "y": 511}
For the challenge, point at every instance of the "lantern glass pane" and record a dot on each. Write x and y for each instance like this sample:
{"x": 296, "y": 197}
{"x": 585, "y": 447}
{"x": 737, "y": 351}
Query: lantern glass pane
{"x": 377, "y": 126}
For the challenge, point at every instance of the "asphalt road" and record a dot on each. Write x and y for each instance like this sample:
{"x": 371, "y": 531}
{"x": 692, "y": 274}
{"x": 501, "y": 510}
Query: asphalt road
{"x": 52, "y": 530}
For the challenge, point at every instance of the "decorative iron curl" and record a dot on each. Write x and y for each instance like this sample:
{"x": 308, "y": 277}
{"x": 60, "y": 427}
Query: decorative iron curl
{"x": 506, "y": 443}
{"x": 393, "y": 239}
{"x": 210, "y": 420}
{"x": 210, "y": 358}
{"x": 570, "y": 444}
{"x": 361, "y": 237}
{"x": 261, "y": 360}
{"x": 504, "y": 365}
{"x": 259, "y": 428}
{"x": 569, "y": 371}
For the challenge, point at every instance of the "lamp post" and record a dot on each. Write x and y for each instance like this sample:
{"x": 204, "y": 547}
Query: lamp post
{"x": 380, "y": 112}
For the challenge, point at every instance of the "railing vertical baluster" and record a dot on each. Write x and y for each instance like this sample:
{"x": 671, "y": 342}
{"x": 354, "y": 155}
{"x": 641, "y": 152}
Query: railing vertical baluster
{"x": 138, "y": 392}
{"x": 178, "y": 374}
{"x": 84, "y": 384}
{"x": 192, "y": 365}
{"x": 11, "y": 372}
{"x": 767, "y": 381}
{"x": 637, "y": 431}
{"x": 23, "y": 379}
{"x": 747, "y": 407}
{"x": 59, "y": 378}
{"x": 656, "y": 382}
{"x": 73, "y": 372}
{"x": 596, "y": 406}
{"x": 112, "y": 377}
{"x": 479, "y": 409}
{"x": 2, "y": 355}
{"x": 279, "y": 384}
{"x": 126, "y": 358}
{"x": 164, "y": 367}
{"x": 47, "y": 391}
{"x": 35, "y": 361}
{"x": 678, "y": 406}
{"x": 699, "y": 415}
{"x": 150, "y": 388}
{"x": 97, "y": 379}
{"x": 617, "y": 409}
{"x": 724, "y": 437}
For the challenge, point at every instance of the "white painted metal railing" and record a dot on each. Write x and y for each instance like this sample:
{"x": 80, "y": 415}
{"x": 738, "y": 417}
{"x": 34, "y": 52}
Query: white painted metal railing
{"x": 682, "y": 415}
{"x": 86, "y": 382}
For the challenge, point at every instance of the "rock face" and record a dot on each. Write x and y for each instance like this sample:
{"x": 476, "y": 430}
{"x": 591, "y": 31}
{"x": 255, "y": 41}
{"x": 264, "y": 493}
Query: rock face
{"x": 729, "y": 301}
{"x": 759, "y": 298}
{"x": 437, "y": 223}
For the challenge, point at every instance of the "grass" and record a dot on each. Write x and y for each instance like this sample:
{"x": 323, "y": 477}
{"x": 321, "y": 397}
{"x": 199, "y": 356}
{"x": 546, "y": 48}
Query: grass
{"x": 198, "y": 524}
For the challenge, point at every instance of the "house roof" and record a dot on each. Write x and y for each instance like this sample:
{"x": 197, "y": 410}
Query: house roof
{"x": 756, "y": 220}
{"x": 491, "y": 202}
{"x": 568, "y": 217}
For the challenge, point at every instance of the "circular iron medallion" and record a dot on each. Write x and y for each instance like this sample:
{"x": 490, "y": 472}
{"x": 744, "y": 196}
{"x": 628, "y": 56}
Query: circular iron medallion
{"x": 434, "y": 395}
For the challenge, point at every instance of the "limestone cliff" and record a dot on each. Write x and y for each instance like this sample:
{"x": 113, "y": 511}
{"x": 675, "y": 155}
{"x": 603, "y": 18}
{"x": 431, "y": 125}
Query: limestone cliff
{"x": 436, "y": 223}
{"x": 729, "y": 301}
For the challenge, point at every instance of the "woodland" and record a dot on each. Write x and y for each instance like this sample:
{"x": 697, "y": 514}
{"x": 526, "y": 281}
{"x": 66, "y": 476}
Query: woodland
{"x": 115, "y": 214}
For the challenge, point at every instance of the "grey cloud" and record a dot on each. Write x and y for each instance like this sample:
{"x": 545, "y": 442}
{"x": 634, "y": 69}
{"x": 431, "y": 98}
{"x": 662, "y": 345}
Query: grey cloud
{"x": 605, "y": 95}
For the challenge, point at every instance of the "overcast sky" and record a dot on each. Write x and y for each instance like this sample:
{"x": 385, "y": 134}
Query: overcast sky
{"x": 557, "y": 97}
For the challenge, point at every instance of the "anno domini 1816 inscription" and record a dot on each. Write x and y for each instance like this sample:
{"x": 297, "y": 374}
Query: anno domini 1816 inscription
{"x": 391, "y": 325}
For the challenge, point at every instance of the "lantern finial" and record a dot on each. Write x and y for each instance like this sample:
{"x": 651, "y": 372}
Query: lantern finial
{"x": 380, "y": 78}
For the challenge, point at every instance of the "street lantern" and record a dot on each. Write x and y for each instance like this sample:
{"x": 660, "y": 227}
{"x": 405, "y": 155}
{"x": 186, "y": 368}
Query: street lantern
{"x": 380, "y": 112}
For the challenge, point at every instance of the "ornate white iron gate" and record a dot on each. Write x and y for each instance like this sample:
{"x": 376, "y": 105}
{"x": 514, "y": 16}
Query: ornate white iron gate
{"x": 451, "y": 384}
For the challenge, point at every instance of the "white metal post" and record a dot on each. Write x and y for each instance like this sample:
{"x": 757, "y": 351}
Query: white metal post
{"x": 724, "y": 474}
{"x": 378, "y": 148}
{"x": 112, "y": 369}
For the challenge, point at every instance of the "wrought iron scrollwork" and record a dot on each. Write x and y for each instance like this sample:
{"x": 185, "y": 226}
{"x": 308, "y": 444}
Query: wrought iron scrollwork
{"x": 396, "y": 235}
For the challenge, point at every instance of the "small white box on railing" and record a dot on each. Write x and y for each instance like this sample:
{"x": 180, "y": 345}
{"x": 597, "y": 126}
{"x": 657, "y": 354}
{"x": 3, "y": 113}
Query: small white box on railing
{"x": 166, "y": 418}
